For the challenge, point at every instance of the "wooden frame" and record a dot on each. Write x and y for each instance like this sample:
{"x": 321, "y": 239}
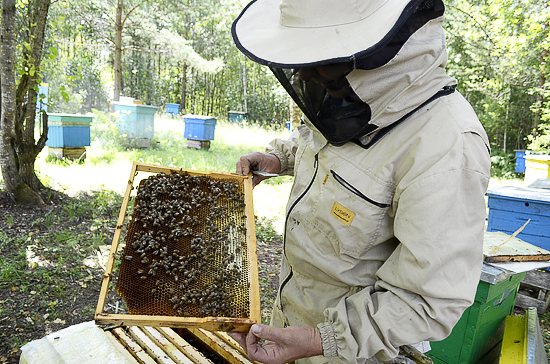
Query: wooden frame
{"x": 208, "y": 323}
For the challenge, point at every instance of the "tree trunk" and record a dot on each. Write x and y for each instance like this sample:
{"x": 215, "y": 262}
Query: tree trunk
{"x": 183, "y": 88}
{"x": 244, "y": 85}
{"x": 16, "y": 188}
{"x": 118, "y": 51}
{"x": 184, "y": 72}
{"x": 25, "y": 146}
{"x": 540, "y": 94}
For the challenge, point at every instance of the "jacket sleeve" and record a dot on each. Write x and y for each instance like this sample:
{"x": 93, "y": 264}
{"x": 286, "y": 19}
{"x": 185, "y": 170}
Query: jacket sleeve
{"x": 285, "y": 150}
{"x": 431, "y": 277}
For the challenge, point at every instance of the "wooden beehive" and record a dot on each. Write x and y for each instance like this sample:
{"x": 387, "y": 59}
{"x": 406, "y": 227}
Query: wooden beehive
{"x": 190, "y": 253}
{"x": 187, "y": 346}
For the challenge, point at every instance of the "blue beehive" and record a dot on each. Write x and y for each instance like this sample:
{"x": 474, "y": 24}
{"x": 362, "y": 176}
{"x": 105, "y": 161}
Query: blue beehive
{"x": 136, "y": 120}
{"x": 42, "y": 98}
{"x": 172, "y": 109}
{"x": 510, "y": 207}
{"x": 68, "y": 130}
{"x": 520, "y": 161}
{"x": 198, "y": 127}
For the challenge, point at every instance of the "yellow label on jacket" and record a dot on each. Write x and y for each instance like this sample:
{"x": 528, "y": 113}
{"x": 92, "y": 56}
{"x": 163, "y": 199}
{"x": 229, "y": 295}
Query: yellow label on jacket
{"x": 343, "y": 214}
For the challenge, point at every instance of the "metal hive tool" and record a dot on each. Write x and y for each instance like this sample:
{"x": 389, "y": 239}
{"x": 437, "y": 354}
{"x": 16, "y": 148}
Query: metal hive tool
{"x": 189, "y": 258}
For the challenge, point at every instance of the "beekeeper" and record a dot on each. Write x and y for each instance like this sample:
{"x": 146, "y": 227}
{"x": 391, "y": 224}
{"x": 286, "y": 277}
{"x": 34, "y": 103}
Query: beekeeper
{"x": 384, "y": 225}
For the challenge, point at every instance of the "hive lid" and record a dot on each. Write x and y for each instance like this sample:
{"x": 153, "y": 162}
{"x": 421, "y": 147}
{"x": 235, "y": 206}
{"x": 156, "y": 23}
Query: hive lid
{"x": 501, "y": 247}
{"x": 527, "y": 193}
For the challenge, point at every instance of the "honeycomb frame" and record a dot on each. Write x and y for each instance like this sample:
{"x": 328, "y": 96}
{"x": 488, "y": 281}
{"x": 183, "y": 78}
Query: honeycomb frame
{"x": 212, "y": 322}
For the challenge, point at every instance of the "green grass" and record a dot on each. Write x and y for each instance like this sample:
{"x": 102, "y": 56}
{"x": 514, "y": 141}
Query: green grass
{"x": 108, "y": 163}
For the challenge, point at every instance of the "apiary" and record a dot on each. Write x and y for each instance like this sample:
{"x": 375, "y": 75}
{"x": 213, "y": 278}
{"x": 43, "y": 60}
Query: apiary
{"x": 189, "y": 256}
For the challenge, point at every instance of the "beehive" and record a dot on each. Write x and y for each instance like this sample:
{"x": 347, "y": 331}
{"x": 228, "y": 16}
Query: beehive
{"x": 190, "y": 253}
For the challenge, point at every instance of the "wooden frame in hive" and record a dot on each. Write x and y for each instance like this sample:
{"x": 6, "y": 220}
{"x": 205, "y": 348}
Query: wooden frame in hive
{"x": 219, "y": 292}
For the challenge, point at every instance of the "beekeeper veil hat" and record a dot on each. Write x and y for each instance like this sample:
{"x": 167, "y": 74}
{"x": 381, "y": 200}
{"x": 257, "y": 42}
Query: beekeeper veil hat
{"x": 288, "y": 35}
{"x": 307, "y": 33}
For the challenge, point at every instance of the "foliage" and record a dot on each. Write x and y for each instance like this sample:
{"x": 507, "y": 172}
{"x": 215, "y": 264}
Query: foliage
{"x": 169, "y": 48}
{"x": 541, "y": 141}
{"x": 503, "y": 165}
{"x": 498, "y": 52}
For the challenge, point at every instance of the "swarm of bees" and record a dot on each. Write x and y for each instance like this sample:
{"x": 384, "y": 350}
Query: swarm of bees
{"x": 185, "y": 251}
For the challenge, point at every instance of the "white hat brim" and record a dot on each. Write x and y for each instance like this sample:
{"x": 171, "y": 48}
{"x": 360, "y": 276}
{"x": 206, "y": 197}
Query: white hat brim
{"x": 258, "y": 34}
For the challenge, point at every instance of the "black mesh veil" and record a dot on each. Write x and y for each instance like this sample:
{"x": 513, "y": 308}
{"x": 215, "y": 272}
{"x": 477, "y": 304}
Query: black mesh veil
{"x": 339, "y": 120}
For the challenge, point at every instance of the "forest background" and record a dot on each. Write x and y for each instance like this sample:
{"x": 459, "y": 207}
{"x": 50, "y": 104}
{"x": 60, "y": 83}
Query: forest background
{"x": 167, "y": 51}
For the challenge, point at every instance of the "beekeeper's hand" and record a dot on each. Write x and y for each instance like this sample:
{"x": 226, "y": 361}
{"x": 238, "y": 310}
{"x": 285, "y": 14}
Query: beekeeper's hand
{"x": 260, "y": 162}
{"x": 271, "y": 345}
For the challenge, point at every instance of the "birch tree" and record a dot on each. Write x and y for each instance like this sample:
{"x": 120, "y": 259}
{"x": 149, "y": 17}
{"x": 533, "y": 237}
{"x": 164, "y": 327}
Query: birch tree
{"x": 18, "y": 147}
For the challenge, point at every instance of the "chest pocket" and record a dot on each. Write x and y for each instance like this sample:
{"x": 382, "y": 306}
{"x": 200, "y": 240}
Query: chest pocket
{"x": 351, "y": 212}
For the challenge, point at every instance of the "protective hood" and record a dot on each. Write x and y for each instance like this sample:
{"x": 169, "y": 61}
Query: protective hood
{"x": 390, "y": 84}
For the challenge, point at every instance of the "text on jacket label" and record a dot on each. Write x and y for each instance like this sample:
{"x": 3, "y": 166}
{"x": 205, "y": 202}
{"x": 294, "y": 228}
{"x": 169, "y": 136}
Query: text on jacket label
{"x": 343, "y": 214}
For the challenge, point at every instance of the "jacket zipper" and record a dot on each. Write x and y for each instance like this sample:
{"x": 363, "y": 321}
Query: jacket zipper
{"x": 355, "y": 191}
{"x": 289, "y": 276}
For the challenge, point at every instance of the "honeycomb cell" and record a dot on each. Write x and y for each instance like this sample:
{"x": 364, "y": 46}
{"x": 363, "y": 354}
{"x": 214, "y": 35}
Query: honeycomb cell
{"x": 186, "y": 252}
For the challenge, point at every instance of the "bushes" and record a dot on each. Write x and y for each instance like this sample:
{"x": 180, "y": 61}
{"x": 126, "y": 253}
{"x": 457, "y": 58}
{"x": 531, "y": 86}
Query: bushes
{"x": 503, "y": 165}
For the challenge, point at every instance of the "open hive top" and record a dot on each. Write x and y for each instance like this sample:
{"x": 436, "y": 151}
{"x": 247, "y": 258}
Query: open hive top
{"x": 188, "y": 250}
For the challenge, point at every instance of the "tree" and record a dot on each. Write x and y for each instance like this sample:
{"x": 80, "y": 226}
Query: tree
{"x": 498, "y": 51}
{"x": 18, "y": 148}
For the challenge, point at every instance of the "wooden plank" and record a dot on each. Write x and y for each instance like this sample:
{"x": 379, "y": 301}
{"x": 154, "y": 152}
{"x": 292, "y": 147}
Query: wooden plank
{"x": 230, "y": 341}
{"x": 255, "y": 307}
{"x": 152, "y": 168}
{"x": 169, "y": 348}
{"x": 514, "y": 343}
{"x": 501, "y": 247}
{"x": 114, "y": 245}
{"x": 526, "y": 302}
{"x": 209, "y": 323}
{"x": 193, "y": 354}
{"x": 220, "y": 346}
{"x": 123, "y": 349}
{"x": 134, "y": 348}
{"x": 537, "y": 279}
{"x": 154, "y": 350}
{"x": 198, "y": 144}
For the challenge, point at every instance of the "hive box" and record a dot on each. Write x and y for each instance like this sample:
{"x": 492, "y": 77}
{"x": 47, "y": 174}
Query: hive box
{"x": 136, "y": 121}
{"x": 536, "y": 166}
{"x": 511, "y": 207}
{"x": 520, "y": 161}
{"x": 198, "y": 127}
{"x": 477, "y": 336}
{"x": 68, "y": 130}
{"x": 172, "y": 109}
{"x": 237, "y": 117}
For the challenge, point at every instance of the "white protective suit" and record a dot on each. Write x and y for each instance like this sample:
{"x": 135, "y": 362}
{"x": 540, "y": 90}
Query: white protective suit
{"x": 383, "y": 245}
